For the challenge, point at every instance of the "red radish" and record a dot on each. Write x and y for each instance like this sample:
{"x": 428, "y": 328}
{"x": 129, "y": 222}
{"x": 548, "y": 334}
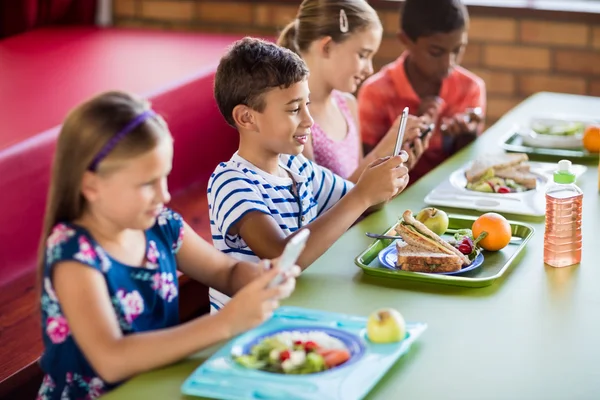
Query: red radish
{"x": 284, "y": 355}
{"x": 503, "y": 189}
{"x": 466, "y": 246}
{"x": 336, "y": 357}
{"x": 465, "y": 249}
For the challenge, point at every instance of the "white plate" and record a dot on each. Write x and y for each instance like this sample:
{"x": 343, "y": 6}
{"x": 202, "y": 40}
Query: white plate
{"x": 453, "y": 193}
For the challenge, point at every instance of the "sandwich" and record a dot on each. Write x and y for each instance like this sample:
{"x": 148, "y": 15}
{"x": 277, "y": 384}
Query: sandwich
{"x": 424, "y": 251}
{"x": 496, "y": 161}
{"x": 519, "y": 176}
{"x": 508, "y": 170}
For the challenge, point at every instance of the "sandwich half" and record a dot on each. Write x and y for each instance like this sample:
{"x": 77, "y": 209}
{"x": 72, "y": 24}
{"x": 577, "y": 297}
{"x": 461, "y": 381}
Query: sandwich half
{"x": 425, "y": 249}
{"x": 418, "y": 259}
{"x": 496, "y": 161}
{"x": 517, "y": 174}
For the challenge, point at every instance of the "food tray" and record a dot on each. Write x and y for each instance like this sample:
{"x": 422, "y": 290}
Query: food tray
{"x": 453, "y": 193}
{"x": 495, "y": 265}
{"x": 222, "y": 378}
{"x": 513, "y": 142}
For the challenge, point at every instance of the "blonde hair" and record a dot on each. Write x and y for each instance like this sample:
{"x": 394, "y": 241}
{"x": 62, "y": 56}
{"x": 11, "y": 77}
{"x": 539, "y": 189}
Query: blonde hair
{"x": 337, "y": 19}
{"x": 85, "y": 132}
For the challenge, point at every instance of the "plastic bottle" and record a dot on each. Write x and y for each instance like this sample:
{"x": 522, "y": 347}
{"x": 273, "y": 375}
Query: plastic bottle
{"x": 562, "y": 237}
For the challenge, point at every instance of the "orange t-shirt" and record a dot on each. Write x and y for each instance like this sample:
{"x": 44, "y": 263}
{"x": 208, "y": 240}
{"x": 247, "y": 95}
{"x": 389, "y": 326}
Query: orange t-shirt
{"x": 384, "y": 95}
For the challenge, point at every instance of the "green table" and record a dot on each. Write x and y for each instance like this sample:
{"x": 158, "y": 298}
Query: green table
{"x": 532, "y": 335}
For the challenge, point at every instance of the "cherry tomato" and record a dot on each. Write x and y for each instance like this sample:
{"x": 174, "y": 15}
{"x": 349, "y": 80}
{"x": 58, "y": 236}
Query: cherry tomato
{"x": 284, "y": 355}
{"x": 310, "y": 346}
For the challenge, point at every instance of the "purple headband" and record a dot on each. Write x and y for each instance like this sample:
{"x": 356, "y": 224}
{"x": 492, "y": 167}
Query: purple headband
{"x": 117, "y": 138}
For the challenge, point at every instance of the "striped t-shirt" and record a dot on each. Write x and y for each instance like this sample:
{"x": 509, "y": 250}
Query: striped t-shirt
{"x": 237, "y": 187}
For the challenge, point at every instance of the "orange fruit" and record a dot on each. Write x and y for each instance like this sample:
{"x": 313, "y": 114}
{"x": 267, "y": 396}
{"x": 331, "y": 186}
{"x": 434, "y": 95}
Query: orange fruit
{"x": 591, "y": 138}
{"x": 498, "y": 231}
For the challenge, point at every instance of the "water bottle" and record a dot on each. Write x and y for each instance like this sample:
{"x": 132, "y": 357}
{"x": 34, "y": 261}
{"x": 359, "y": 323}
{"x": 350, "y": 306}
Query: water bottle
{"x": 562, "y": 238}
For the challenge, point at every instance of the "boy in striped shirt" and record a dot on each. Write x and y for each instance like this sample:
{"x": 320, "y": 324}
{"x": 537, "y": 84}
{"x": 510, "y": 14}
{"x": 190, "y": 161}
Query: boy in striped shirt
{"x": 268, "y": 191}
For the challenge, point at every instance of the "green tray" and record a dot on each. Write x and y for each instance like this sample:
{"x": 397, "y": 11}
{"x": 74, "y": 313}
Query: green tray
{"x": 514, "y": 143}
{"x": 495, "y": 264}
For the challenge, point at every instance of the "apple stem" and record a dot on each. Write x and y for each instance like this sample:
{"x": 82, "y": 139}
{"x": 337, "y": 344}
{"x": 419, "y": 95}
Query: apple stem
{"x": 383, "y": 315}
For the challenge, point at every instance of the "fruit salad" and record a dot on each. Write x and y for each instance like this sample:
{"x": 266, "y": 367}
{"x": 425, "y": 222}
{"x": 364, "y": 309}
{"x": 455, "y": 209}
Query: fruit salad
{"x": 295, "y": 352}
{"x": 493, "y": 184}
{"x": 557, "y": 127}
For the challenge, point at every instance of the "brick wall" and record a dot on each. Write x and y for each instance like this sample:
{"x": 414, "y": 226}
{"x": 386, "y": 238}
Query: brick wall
{"x": 515, "y": 55}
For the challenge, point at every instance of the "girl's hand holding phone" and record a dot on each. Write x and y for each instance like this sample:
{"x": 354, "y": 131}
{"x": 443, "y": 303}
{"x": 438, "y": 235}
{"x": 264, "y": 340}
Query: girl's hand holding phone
{"x": 418, "y": 145}
{"x": 386, "y": 145}
{"x": 256, "y": 301}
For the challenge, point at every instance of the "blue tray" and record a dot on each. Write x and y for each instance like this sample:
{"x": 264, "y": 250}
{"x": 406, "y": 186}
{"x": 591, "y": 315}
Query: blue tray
{"x": 221, "y": 377}
{"x": 389, "y": 256}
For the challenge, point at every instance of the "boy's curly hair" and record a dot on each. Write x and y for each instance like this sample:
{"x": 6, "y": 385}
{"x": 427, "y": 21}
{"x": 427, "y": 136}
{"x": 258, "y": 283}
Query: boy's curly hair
{"x": 419, "y": 18}
{"x": 250, "y": 68}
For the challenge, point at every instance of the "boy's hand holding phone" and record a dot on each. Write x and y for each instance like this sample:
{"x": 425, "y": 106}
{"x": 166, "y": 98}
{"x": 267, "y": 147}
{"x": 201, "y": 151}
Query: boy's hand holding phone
{"x": 466, "y": 123}
{"x": 383, "y": 180}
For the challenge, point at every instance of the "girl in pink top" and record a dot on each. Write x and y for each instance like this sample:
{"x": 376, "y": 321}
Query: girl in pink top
{"x": 340, "y": 156}
{"x": 338, "y": 39}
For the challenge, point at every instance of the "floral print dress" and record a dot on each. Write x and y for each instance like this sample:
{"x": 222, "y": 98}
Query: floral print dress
{"x": 144, "y": 298}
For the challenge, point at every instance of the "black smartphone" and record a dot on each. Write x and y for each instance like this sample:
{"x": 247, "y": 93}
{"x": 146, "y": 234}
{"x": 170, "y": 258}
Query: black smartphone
{"x": 423, "y": 133}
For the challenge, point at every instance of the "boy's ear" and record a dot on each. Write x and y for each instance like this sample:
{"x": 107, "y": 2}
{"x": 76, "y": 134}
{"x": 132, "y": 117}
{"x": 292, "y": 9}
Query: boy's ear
{"x": 404, "y": 39}
{"x": 324, "y": 46}
{"x": 243, "y": 117}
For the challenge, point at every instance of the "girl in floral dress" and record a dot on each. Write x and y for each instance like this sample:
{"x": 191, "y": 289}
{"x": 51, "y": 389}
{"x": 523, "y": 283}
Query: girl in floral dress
{"x": 110, "y": 251}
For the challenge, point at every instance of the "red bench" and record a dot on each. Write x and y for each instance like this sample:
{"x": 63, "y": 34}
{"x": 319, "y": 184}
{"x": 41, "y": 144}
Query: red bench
{"x": 44, "y": 74}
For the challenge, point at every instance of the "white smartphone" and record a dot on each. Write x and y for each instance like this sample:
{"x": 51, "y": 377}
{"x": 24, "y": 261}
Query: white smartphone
{"x": 290, "y": 255}
{"x": 401, "y": 130}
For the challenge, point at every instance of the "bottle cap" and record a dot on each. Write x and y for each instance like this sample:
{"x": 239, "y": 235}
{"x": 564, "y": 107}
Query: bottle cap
{"x": 563, "y": 174}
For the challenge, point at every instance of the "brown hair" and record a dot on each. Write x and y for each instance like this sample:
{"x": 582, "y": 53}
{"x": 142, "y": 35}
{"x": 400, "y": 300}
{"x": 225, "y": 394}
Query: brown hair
{"x": 251, "y": 68}
{"x": 320, "y": 18}
{"x": 86, "y": 130}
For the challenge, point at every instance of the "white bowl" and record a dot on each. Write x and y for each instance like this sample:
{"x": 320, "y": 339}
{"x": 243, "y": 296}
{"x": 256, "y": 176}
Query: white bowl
{"x": 533, "y": 139}
{"x": 547, "y": 132}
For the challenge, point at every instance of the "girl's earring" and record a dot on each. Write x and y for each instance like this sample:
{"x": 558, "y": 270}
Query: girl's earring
{"x": 344, "y": 28}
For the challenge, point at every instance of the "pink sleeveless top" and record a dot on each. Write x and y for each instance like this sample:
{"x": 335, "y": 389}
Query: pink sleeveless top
{"x": 341, "y": 157}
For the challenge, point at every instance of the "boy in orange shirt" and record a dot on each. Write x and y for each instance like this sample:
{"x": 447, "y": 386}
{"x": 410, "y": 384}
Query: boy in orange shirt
{"x": 427, "y": 79}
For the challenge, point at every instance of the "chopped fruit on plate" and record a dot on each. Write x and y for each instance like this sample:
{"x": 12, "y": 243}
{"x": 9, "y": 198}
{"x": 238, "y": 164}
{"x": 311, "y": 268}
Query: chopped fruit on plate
{"x": 557, "y": 127}
{"x": 294, "y": 352}
{"x": 501, "y": 173}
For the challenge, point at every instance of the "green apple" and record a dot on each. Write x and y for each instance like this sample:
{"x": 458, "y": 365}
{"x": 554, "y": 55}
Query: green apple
{"x": 386, "y": 326}
{"x": 434, "y": 219}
